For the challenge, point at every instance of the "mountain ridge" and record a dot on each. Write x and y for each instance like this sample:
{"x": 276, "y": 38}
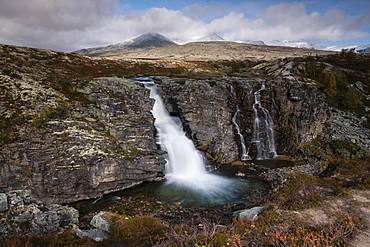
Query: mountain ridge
{"x": 146, "y": 40}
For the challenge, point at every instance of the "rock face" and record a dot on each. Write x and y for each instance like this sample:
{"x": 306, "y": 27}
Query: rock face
{"x": 352, "y": 137}
{"x": 24, "y": 215}
{"x": 203, "y": 107}
{"x": 82, "y": 149}
{"x": 3, "y": 202}
{"x": 206, "y": 108}
{"x": 70, "y": 137}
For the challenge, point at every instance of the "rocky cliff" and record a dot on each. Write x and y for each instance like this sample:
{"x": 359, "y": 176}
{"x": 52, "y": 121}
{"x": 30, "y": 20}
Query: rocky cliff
{"x": 71, "y": 130}
{"x": 207, "y": 106}
{"x": 76, "y": 150}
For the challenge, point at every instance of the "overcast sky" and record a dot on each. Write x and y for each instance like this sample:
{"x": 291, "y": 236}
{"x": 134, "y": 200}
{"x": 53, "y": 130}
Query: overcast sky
{"x": 73, "y": 24}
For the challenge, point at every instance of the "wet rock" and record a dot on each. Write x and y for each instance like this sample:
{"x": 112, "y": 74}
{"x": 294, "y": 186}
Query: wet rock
{"x": 100, "y": 221}
{"x": 203, "y": 108}
{"x": 250, "y": 214}
{"x": 3, "y": 202}
{"x": 206, "y": 107}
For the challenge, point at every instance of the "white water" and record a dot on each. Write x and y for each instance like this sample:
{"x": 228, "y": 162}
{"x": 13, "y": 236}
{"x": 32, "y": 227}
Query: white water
{"x": 263, "y": 132}
{"x": 185, "y": 164}
{"x": 244, "y": 155}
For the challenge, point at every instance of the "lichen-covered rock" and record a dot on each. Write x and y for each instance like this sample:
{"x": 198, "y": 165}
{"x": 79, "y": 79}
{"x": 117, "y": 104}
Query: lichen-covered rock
{"x": 3, "y": 202}
{"x": 249, "y": 214}
{"x": 77, "y": 150}
{"x": 203, "y": 107}
{"x": 30, "y": 217}
{"x": 206, "y": 108}
{"x": 347, "y": 135}
{"x": 100, "y": 221}
{"x": 19, "y": 198}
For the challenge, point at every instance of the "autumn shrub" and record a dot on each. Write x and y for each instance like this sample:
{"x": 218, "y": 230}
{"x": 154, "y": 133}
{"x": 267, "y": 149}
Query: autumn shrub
{"x": 137, "y": 231}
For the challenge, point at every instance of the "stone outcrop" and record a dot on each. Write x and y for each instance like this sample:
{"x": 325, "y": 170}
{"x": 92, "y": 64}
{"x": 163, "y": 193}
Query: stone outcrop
{"x": 206, "y": 108}
{"x": 25, "y": 215}
{"x": 351, "y": 136}
{"x": 79, "y": 149}
{"x": 203, "y": 107}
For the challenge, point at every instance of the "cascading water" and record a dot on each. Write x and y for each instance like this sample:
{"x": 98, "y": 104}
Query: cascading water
{"x": 263, "y": 133}
{"x": 244, "y": 155}
{"x": 185, "y": 164}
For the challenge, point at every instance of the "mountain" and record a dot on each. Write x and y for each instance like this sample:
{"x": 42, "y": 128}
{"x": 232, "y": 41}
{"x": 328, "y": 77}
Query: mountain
{"x": 147, "y": 40}
{"x": 211, "y": 37}
{"x": 297, "y": 44}
{"x": 253, "y": 42}
{"x": 358, "y": 48}
{"x": 363, "y": 49}
{"x": 339, "y": 47}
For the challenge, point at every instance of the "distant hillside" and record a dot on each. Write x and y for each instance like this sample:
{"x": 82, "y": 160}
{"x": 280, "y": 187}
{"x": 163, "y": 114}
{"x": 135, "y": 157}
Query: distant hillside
{"x": 211, "y": 37}
{"x": 147, "y": 40}
{"x": 288, "y": 43}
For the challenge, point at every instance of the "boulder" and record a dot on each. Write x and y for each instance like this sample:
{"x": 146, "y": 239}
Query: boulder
{"x": 26, "y": 216}
{"x": 19, "y": 198}
{"x": 100, "y": 221}
{"x": 94, "y": 234}
{"x": 248, "y": 214}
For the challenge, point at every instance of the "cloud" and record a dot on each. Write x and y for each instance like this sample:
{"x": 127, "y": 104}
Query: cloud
{"x": 69, "y": 25}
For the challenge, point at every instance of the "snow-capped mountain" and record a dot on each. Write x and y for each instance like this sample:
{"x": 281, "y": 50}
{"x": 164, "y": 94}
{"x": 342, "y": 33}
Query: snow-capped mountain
{"x": 297, "y": 44}
{"x": 338, "y": 47}
{"x": 363, "y": 49}
{"x": 211, "y": 37}
{"x": 253, "y": 42}
{"x": 147, "y": 40}
{"x": 358, "y": 48}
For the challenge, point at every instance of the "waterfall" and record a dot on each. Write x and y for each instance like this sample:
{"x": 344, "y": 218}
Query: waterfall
{"x": 263, "y": 133}
{"x": 244, "y": 155}
{"x": 185, "y": 165}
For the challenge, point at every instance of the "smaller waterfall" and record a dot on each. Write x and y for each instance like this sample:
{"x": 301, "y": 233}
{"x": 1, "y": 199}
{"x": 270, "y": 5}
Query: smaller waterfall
{"x": 263, "y": 133}
{"x": 244, "y": 155}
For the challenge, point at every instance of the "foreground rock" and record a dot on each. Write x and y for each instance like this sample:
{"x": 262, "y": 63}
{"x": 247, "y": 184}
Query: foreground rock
{"x": 100, "y": 221}
{"x": 100, "y": 227}
{"x": 28, "y": 216}
{"x": 250, "y": 214}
